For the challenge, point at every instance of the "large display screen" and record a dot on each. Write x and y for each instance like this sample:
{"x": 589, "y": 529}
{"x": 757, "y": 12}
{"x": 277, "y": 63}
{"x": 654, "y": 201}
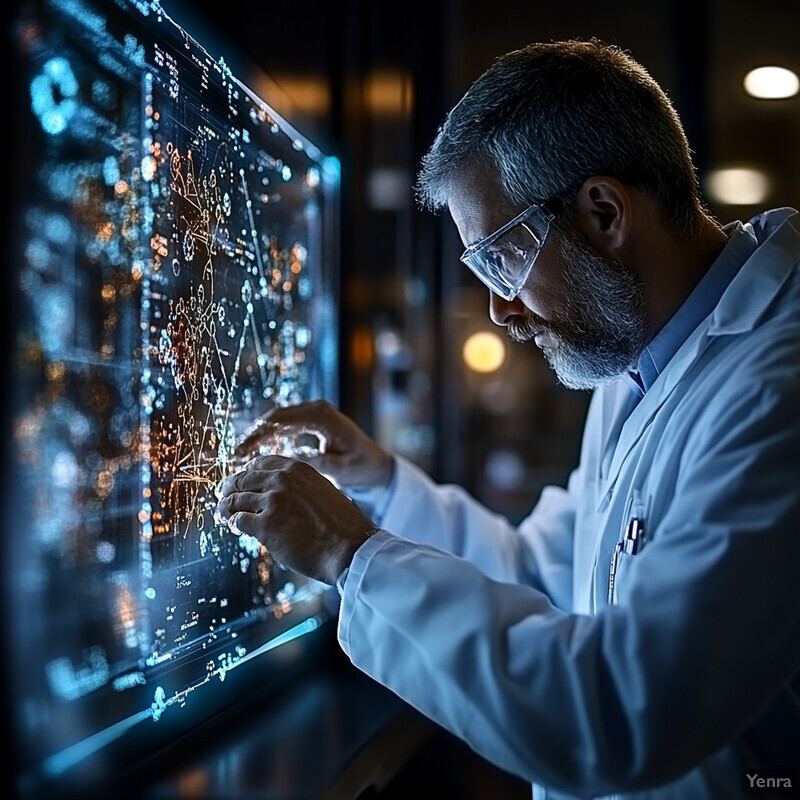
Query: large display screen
{"x": 173, "y": 277}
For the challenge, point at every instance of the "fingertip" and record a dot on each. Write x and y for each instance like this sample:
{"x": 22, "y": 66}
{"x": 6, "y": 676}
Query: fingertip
{"x": 233, "y": 524}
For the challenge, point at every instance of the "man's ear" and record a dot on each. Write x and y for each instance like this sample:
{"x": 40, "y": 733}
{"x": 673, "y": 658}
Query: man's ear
{"x": 605, "y": 208}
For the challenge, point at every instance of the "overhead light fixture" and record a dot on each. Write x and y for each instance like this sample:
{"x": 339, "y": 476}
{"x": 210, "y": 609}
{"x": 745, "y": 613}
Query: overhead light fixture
{"x": 737, "y": 186}
{"x": 771, "y": 83}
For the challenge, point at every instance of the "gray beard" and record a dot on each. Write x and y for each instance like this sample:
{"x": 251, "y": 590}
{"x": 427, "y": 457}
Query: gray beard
{"x": 603, "y": 327}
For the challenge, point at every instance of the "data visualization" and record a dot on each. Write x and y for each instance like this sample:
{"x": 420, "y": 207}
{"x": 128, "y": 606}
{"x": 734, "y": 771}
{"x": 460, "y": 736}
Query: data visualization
{"x": 174, "y": 277}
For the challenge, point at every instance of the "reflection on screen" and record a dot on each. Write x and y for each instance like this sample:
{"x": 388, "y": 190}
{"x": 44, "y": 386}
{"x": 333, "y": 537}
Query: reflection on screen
{"x": 172, "y": 282}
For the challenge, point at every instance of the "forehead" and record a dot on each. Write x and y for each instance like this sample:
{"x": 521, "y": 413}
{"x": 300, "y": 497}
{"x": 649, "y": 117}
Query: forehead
{"x": 478, "y": 204}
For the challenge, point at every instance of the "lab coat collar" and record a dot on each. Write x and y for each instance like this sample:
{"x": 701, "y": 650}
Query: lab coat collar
{"x": 739, "y": 310}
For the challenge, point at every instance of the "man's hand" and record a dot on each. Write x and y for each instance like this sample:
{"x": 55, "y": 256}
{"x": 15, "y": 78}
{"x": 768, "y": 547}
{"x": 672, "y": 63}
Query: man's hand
{"x": 305, "y": 522}
{"x": 348, "y": 456}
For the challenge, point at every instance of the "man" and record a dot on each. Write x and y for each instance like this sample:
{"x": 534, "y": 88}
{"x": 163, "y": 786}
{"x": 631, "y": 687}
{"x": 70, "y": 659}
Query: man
{"x": 639, "y": 632}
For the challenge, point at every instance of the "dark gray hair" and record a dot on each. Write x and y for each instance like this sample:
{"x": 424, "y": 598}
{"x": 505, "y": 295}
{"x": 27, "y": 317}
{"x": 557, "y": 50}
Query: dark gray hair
{"x": 551, "y": 115}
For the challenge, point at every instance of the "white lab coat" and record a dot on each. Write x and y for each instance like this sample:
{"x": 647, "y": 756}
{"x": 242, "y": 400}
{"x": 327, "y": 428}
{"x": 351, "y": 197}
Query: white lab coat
{"x": 690, "y": 678}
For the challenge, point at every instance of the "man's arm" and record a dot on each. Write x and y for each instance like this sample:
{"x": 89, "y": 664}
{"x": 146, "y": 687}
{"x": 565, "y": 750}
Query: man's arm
{"x": 397, "y": 495}
{"x": 537, "y": 553}
{"x": 704, "y": 640}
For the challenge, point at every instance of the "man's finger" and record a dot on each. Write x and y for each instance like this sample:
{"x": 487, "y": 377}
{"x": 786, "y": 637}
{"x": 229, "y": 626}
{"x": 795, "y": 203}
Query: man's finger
{"x": 253, "y": 502}
{"x": 265, "y": 436}
{"x": 299, "y": 414}
{"x": 243, "y": 522}
{"x": 233, "y": 483}
{"x": 267, "y": 463}
{"x": 255, "y": 480}
{"x": 283, "y": 421}
{"x": 229, "y": 484}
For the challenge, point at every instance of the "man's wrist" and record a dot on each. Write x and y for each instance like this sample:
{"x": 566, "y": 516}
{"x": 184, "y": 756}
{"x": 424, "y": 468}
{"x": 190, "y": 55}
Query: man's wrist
{"x": 349, "y": 549}
{"x": 342, "y": 577}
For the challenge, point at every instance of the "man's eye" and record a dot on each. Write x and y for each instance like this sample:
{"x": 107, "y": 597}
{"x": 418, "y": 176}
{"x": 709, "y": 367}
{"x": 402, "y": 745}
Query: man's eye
{"x": 506, "y": 250}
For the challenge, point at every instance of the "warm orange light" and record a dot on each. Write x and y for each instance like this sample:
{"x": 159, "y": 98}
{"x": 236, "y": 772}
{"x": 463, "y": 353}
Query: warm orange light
{"x": 361, "y": 349}
{"x": 484, "y": 352}
{"x": 388, "y": 93}
{"x": 296, "y": 94}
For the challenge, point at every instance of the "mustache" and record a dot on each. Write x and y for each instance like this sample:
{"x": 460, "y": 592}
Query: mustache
{"x": 523, "y": 329}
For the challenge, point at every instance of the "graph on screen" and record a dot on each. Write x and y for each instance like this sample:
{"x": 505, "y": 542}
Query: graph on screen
{"x": 175, "y": 278}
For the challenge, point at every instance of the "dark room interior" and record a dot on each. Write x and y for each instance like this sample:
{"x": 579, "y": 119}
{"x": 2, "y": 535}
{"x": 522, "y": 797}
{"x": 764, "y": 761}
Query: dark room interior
{"x": 97, "y": 703}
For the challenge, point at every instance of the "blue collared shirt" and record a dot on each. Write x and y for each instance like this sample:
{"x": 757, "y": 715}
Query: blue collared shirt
{"x": 700, "y": 303}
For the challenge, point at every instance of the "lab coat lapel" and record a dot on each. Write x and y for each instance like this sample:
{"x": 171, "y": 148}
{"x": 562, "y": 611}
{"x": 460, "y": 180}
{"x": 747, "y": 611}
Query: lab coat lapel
{"x": 641, "y": 416}
{"x": 759, "y": 281}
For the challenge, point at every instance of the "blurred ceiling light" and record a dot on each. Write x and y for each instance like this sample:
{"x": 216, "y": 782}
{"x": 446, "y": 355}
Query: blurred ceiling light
{"x": 389, "y": 189}
{"x": 771, "y": 83}
{"x": 388, "y": 93}
{"x": 296, "y": 94}
{"x": 737, "y": 186}
{"x": 484, "y": 352}
{"x": 388, "y": 343}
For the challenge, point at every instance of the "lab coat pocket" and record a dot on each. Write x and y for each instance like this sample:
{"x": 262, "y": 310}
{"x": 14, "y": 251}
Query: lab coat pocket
{"x": 617, "y": 580}
{"x": 632, "y": 541}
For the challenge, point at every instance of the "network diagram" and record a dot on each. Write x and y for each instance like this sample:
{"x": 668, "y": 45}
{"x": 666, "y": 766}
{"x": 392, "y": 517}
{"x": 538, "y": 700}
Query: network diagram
{"x": 176, "y": 280}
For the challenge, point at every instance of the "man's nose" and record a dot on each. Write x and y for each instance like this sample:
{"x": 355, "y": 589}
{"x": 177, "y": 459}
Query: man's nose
{"x": 503, "y": 311}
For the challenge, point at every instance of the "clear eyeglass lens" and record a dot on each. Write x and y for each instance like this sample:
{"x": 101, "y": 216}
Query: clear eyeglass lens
{"x": 511, "y": 253}
{"x": 504, "y": 263}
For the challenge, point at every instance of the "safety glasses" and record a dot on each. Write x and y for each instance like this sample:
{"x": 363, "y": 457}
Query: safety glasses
{"x": 503, "y": 260}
